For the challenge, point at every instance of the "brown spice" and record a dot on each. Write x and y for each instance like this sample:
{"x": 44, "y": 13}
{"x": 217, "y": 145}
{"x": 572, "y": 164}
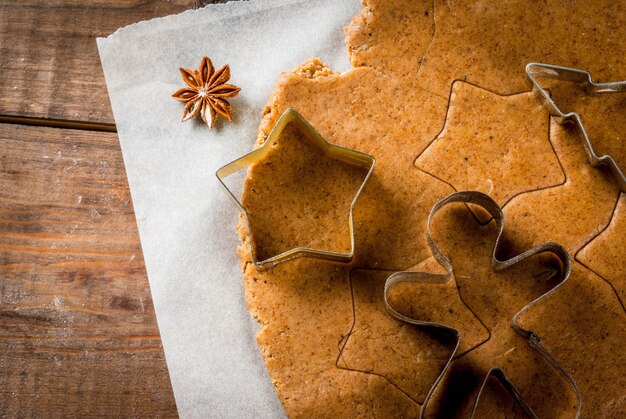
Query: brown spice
{"x": 206, "y": 92}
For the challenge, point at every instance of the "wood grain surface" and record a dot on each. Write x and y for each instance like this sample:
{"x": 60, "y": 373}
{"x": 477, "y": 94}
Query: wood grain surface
{"x": 49, "y": 63}
{"x": 78, "y": 335}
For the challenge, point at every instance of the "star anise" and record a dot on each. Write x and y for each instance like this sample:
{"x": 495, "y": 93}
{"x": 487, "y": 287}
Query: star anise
{"x": 206, "y": 92}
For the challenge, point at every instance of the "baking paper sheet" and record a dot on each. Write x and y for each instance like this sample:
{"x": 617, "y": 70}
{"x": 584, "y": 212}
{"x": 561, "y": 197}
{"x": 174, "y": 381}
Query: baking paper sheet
{"x": 186, "y": 223}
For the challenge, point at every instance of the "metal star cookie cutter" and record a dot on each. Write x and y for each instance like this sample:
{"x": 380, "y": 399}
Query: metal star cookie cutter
{"x": 334, "y": 151}
{"x": 582, "y": 77}
{"x": 487, "y": 203}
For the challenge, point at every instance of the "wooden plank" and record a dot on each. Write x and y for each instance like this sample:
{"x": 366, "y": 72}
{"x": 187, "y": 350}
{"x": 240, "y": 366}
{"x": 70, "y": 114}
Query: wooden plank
{"x": 49, "y": 63}
{"x": 78, "y": 335}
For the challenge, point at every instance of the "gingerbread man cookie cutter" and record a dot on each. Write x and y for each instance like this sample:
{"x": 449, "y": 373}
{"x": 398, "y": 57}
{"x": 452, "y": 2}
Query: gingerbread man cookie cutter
{"x": 336, "y": 152}
{"x": 488, "y": 204}
{"x": 581, "y": 77}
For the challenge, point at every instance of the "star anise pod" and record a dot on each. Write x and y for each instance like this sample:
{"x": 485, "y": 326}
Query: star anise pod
{"x": 206, "y": 92}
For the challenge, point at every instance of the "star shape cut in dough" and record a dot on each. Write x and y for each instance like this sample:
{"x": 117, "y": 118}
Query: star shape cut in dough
{"x": 494, "y": 144}
{"x": 294, "y": 153}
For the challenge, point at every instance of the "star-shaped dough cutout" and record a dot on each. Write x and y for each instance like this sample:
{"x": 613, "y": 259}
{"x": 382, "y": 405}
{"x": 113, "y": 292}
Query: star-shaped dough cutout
{"x": 304, "y": 311}
{"x": 494, "y": 144}
{"x": 302, "y": 186}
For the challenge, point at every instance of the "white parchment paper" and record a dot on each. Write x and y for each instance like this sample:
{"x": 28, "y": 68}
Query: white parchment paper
{"x": 186, "y": 223}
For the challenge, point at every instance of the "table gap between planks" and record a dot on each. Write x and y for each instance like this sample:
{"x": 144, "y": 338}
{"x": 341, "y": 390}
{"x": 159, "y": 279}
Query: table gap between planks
{"x": 78, "y": 334}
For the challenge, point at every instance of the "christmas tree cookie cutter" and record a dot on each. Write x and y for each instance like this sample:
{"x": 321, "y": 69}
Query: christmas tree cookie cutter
{"x": 488, "y": 204}
{"x": 336, "y": 152}
{"x": 581, "y": 77}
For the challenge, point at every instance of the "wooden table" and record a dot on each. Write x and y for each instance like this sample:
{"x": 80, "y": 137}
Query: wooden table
{"x": 78, "y": 334}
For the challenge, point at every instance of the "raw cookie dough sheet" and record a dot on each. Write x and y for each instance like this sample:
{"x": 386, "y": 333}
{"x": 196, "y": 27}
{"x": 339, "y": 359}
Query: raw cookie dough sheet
{"x": 437, "y": 95}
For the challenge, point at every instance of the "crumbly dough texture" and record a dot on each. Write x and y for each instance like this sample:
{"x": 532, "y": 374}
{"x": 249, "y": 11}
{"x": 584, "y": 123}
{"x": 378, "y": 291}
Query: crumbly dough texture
{"x": 437, "y": 95}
